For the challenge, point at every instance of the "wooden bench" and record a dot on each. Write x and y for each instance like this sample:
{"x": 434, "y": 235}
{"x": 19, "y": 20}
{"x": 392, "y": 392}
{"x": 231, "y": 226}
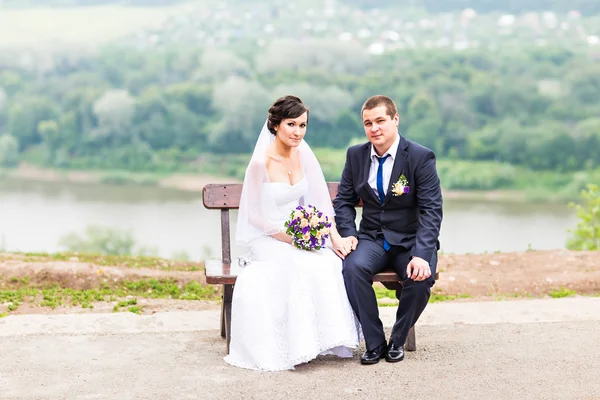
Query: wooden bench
{"x": 226, "y": 197}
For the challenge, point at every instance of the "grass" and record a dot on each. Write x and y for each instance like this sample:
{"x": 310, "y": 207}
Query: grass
{"x": 135, "y": 310}
{"x": 131, "y": 304}
{"x": 560, "y": 293}
{"x": 439, "y": 297}
{"x": 506, "y": 296}
{"x": 382, "y": 293}
{"x": 555, "y": 294}
{"x": 116, "y": 261}
{"x": 126, "y": 293}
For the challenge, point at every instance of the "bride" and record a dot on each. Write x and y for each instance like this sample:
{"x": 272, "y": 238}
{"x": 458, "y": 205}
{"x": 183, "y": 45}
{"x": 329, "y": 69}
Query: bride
{"x": 289, "y": 305}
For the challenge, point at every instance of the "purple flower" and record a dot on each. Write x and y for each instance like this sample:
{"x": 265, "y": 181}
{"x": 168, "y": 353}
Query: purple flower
{"x": 298, "y": 233}
{"x": 406, "y": 189}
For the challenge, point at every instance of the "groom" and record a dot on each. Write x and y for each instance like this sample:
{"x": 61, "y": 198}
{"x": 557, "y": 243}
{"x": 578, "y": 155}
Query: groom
{"x": 397, "y": 181}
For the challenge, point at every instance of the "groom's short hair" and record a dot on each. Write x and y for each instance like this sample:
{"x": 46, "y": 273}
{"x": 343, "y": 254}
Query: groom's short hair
{"x": 378, "y": 101}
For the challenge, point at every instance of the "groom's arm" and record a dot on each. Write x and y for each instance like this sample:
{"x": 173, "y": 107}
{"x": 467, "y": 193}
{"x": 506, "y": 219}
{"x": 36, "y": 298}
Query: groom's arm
{"x": 429, "y": 201}
{"x": 345, "y": 201}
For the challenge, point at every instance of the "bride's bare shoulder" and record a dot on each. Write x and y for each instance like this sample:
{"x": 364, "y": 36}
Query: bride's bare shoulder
{"x": 260, "y": 163}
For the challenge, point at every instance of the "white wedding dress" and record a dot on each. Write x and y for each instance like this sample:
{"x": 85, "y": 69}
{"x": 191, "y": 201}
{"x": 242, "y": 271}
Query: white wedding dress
{"x": 289, "y": 305}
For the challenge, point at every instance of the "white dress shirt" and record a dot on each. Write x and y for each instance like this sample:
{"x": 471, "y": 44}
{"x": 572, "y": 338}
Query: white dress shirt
{"x": 388, "y": 164}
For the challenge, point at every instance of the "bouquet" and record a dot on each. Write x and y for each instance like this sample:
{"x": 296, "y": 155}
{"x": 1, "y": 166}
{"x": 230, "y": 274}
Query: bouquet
{"x": 308, "y": 227}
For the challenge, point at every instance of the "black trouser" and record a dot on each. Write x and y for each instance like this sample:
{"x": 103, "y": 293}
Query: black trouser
{"x": 368, "y": 259}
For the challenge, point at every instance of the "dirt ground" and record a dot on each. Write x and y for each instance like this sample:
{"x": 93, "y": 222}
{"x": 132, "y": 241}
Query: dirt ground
{"x": 497, "y": 276}
{"x": 532, "y": 273}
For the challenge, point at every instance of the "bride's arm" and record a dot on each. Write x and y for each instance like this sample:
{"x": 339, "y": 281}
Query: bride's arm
{"x": 255, "y": 203}
{"x": 341, "y": 246}
{"x": 282, "y": 236}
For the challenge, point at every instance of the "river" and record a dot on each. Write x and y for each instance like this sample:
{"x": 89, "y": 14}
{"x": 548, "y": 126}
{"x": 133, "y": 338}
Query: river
{"x": 35, "y": 215}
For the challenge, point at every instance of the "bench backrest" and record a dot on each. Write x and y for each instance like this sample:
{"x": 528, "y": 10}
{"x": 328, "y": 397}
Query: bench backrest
{"x": 226, "y": 197}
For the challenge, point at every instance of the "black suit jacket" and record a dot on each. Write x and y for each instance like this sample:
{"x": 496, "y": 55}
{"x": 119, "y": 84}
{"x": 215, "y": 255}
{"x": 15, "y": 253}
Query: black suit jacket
{"x": 412, "y": 220}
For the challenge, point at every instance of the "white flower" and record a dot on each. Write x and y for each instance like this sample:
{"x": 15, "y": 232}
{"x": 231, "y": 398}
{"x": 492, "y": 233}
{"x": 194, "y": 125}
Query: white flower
{"x": 398, "y": 189}
{"x": 401, "y": 187}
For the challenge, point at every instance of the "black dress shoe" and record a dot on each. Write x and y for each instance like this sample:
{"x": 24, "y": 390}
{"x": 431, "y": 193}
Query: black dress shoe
{"x": 394, "y": 353}
{"x": 373, "y": 356}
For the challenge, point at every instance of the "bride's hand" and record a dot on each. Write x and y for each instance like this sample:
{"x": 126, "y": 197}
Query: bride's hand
{"x": 283, "y": 237}
{"x": 343, "y": 246}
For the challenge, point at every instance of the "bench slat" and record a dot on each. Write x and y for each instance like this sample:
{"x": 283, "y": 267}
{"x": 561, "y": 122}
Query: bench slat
{"x": 227, "y": 196}
{"x": 223, "y": 196}
{"x": 222, "y": 273}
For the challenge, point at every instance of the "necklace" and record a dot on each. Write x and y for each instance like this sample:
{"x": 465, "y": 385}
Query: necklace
{"x": 285, "y": 164}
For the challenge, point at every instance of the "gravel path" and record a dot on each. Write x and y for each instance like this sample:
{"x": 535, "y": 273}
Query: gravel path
{"x": 525, "y": 349}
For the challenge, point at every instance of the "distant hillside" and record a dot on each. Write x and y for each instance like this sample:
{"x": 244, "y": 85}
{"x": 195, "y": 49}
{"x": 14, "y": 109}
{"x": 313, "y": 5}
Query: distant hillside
{"x": 71, "y": 3}
{"x": 586, "y": 7}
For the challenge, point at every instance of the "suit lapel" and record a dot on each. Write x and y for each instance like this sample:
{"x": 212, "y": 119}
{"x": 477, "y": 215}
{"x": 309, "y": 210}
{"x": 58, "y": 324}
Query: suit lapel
{"x": 367, "y": 169}
{"x": 399, "y": 160}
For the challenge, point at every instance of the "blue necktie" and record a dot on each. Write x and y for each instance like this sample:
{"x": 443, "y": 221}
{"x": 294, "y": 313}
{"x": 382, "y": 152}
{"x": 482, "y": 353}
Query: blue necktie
{"x": 381, "y": 160}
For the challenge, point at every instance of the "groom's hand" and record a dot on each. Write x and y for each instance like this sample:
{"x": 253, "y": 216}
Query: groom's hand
{"x": 418, "y": 269}
{"x": 353, "y": 242}
{"x": 345, "y": 246}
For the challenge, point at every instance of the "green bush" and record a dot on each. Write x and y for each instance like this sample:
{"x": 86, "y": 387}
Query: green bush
{"x": 460, "y": 175}
{"x": 587, "y": 234}
{"x": 104, "y": 241}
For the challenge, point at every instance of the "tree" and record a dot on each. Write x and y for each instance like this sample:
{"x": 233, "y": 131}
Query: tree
{"x": 114, "y": 111}
{"x": 24, "y": 116}
{"x": 217, "y": 65}
{"x": 549, "y": 146}
{"x": 80, "y": 103}
{"x": 585, "y": 84}
{"x": 242, "y": 106}
{"x": 310, "y": 55}
{"x": 50, "y": 133}
{"x": 421, "y": 106}
{"x": 2, "y": 99}
{"x": 587, "y": 234}
{"x": 9, "y": 151}
{"x": 587, "y": 142}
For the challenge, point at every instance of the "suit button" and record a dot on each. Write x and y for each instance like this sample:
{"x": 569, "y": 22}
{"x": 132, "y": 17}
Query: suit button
{"x": 383, "y": 211}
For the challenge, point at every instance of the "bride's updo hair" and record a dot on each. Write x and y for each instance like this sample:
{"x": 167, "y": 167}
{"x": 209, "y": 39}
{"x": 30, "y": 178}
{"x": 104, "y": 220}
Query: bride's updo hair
{"x": 284, "y": 108}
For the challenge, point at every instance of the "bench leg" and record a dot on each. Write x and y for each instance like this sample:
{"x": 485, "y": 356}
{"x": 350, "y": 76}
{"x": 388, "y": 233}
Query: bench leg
{"x": 223, "y": 329}
{"x": 226, "y": 314}
{"x": 411, "y": 340}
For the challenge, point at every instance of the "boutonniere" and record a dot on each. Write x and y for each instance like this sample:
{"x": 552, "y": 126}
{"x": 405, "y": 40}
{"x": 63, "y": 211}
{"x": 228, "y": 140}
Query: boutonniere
{"x": 400, "y": 187}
